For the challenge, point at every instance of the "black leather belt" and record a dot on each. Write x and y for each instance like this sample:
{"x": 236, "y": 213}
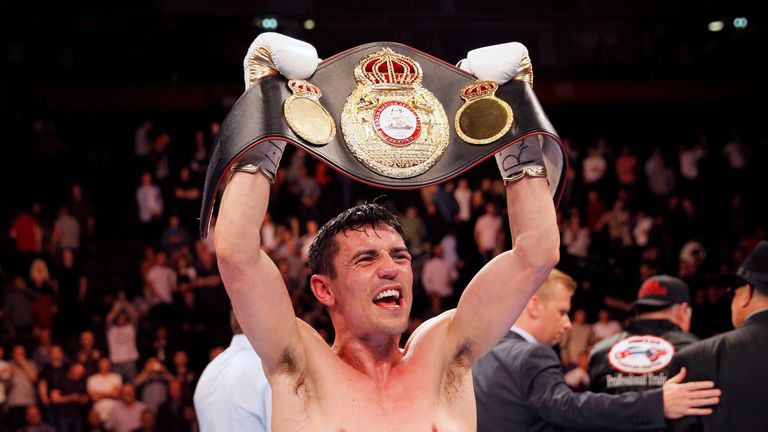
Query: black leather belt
{"x": 258, "y": 116}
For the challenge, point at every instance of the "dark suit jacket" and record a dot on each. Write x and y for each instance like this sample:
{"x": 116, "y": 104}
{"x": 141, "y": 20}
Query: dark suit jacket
{"x": 737, "y": 361}
{"x": 519, "y": 386}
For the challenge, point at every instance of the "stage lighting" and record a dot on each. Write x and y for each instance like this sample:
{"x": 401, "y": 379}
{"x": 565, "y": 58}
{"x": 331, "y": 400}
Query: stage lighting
{"x": 716, "y": 26}
{"x": 740, "y": 23}
{"x": 309, "y": 24}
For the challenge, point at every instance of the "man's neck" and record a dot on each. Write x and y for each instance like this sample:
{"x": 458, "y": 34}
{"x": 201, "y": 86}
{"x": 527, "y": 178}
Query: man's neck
{"x": 524, "y": 331}
{"x": 372, "y": 356}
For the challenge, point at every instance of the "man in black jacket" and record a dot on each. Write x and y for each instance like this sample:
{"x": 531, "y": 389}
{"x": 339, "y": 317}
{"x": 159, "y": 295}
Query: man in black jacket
{"x": 736, "y": 360}
{"x": 519, "y": 384}
{"x": 638, "y": 358}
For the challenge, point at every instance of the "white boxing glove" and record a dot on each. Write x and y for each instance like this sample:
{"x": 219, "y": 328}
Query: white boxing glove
{"x": 293, "y": 59}
{"x": 501, "y": 63}
{"x": 497, "y": 63}
{"x": 272, "y": 53}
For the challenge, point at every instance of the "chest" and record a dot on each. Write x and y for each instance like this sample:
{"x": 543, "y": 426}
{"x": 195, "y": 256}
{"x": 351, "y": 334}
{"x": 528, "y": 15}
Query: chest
{"x": 413, "y": 398}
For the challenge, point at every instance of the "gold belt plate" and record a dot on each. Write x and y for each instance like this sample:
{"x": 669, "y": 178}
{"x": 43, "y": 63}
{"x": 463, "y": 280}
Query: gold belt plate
{"x": 306, "y": 116}
{"x": 390, "y": 122}
{"x": 483, "y": 118}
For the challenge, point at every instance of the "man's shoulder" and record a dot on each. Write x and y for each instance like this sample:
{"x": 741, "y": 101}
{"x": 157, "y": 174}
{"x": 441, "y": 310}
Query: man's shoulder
{"x": 702, "y": 347}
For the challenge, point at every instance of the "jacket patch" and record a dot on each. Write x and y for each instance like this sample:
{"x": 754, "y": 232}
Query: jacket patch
{"x": 641, "y": 354}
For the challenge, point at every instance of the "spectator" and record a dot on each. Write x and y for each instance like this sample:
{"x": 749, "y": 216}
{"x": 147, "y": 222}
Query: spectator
{"x": 593, "y": 166}
{"x": 6, "y": 372}
{"x": 443, "y": 199}
{"x": 186, "y": 199}
{"x": 81, "y": 209}
{"x": 170, "y": 415}
{"x": 175, "y": 238}
{"x": 94, "y": 422}
{"x": 463, "y": 197}
{"x": 308, "y": 238}
{"x": 150, "y": 204}
{"x": 27, "y": 236}
{"x": 66, "y": 232}
{"x": 160, "y": 282}
{"x": 51, "y": 375}
{"x": 153, "y": 381}
{"x": 40, "y": 280}
{"x": 438, "y": 277}
{"x": 21, "y": 392}
{"x": 488, "y": 233}
{"x": 577, "y": 339}
{"x": 34, "y": 421}
{"x": 142, "y": 143}
{"x": 104, "y": 388}
{"x": 18, "y": 315}
{"x": 87, "y": 354}
{"x": 182, "y": 373}
{"x": 148, "y": 422}
{"x": 626, "y": 167}
{"x": 576, "y": 238}
{"x": 73, "y": 287}
{"x": 126, "y": 414}
{"x": 414, "y": 229}
{"x": 661, "y": 177}
{"x": 121, "y": 337}
{"x": 68, "y": 398}
{"x": 605, "y": 327}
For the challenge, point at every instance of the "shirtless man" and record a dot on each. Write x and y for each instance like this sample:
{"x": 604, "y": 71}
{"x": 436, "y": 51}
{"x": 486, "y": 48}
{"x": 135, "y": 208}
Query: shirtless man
{"x": 362, "y": 274}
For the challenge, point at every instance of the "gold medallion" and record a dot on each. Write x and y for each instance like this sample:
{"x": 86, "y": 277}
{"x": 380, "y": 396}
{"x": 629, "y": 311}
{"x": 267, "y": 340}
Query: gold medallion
{"x": 306, "y": 116}
{"x": 483, "y": 118}
{"x": 391, "y": 124}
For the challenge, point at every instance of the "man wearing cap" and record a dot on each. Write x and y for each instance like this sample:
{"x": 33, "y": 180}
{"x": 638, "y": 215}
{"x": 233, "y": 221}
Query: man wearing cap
{"x": 736, "y": 360}
{"x": 639, "y": 357}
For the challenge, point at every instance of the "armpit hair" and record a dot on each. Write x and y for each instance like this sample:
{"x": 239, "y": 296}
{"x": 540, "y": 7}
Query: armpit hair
{"x": 457, "y": 368}
{"x": 289, "y": 366}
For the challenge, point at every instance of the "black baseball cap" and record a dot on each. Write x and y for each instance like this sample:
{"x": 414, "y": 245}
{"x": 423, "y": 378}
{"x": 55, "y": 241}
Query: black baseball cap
{"x": 753, "y": 271}
{"x": 662, "y": 290}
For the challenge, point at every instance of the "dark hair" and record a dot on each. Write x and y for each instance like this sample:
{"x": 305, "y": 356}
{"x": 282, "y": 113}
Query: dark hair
{"x": 324, "y": 248}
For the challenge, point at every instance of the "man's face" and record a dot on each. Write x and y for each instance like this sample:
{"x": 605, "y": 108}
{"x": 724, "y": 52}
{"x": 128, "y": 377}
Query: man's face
{"x": 128, "y": 393}
{"x": 553, "y": 313}
{"x": 374, "y": 280}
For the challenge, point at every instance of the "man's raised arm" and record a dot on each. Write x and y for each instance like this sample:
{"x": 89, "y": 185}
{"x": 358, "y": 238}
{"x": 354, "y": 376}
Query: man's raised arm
{"x": 498, "y": 293}
{"x": 254, "y": 284}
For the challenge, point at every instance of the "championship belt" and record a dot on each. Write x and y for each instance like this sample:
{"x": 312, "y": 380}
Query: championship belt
{"x": 408, "y": 120}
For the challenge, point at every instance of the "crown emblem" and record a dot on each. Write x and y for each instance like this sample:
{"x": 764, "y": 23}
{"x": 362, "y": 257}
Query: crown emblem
{"x": 479, "y": 89}
{"x": 388, "y": 69}
{"x": 304, "y": 89}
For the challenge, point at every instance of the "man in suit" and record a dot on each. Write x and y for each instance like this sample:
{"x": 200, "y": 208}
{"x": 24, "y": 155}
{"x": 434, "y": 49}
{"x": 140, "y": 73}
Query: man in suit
{"x": 737, "y": 361}
{"x": 519, "y": 384}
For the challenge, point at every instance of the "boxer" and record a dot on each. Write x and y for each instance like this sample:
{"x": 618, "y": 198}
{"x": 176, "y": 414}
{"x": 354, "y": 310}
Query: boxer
{"x": 362, "y": 273}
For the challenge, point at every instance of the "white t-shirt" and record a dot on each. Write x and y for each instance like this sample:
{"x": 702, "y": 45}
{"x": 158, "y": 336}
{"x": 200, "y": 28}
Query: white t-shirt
{"x": 162, "y": 279}
{"x": 102, "y": 384}
{"x": 438, "y": 276}
{"x": 233, "y": 394}
{"x": 122, "y": 344}
{"x": 488, "y": 228}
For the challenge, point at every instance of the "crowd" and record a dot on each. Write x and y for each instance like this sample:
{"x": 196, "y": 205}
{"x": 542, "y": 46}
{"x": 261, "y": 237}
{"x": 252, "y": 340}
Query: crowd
{"x": 79, "y": 354}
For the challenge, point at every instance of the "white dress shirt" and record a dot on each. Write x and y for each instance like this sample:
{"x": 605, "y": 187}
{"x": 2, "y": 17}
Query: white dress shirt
{"x": 233, "y": 394}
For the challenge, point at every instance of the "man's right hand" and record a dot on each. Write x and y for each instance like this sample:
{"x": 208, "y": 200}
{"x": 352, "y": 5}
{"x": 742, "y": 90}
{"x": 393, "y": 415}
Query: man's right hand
{"x": 272, "y": 53}
{"x": 687, "y": 399}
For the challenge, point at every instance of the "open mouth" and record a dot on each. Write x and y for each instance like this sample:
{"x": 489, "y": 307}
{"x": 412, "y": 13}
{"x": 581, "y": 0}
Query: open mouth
{"x": 389, "y": 299}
